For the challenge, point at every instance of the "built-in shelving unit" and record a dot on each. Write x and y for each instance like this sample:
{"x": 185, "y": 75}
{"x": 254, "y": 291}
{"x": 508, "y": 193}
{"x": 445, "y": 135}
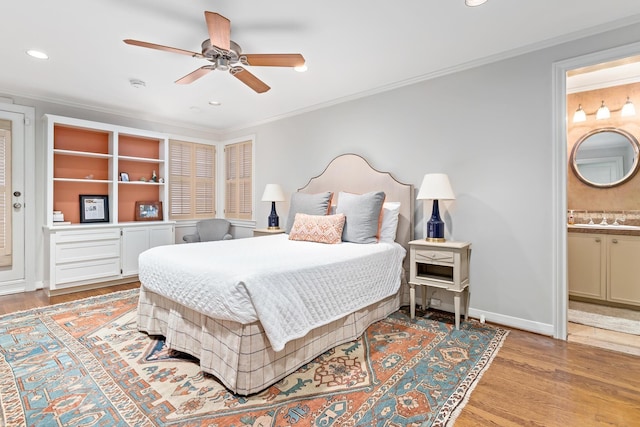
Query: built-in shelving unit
{"x": 89, "y": 158}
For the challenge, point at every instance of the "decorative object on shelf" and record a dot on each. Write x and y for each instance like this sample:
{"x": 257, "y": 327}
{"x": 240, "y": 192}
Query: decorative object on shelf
{"x": 90, "y": 176}
{"x": 435, "y": 186}
{"x": 94, "y": 208}
{"x": 124, "y": 177}
{"x": 273, "y": 193}
{"x": 143, "y": 179}
{"x": 148, "y": 211}
{"x": 58, "y": 216}
{"x": 154, "y": 177}
{"x": 161, "y": 180}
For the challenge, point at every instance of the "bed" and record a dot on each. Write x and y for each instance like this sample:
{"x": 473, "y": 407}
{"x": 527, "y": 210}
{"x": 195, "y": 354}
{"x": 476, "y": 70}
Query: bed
{"x": 258, "y": 319}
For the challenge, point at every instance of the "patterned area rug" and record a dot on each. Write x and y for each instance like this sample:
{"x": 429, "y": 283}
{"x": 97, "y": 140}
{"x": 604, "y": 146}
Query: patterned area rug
{"x": 85, "y": 364}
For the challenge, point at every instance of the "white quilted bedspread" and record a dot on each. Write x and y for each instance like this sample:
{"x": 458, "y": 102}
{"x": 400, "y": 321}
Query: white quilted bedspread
{"x": 291, "y": 287}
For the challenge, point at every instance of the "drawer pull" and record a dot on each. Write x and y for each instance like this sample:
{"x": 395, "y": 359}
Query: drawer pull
{"x": 614, "y": 241}
{"x": 597, "y": 240}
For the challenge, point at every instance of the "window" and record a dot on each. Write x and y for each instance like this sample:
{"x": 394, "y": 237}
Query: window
{"x": 192, "y": 182}
{"x": 238, "y": 201}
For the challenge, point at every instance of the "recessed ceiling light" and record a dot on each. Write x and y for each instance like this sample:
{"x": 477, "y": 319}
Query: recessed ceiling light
{"x": 301, "y": 68}
{"x": 473, "y": 3}
{"x": 195, "y": 109}
{"x": 37, "y": 54}
{"x": 215, "y": 103}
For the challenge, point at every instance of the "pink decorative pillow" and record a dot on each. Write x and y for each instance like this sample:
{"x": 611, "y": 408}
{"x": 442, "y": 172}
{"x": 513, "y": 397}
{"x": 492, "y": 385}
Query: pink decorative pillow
{"x": 317, "y": 228}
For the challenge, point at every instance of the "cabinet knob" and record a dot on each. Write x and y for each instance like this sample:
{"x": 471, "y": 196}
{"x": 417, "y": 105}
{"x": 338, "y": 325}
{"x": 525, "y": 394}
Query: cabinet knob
{"x": 614, "y": 241}
{"x": 597, "y": 240}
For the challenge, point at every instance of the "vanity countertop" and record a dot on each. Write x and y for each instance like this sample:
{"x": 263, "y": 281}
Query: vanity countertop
{"x": 620, "y": 230}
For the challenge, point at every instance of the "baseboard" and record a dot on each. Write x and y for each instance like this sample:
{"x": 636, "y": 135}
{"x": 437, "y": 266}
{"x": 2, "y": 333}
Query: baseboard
{"x": 513, "y": 322}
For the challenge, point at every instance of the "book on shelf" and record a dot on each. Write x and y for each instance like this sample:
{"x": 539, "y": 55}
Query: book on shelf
{"x": 61, "y": 222}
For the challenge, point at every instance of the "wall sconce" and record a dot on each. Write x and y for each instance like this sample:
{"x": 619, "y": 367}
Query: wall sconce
{"x": 435, "y": 186}
{"x": 273, "y": 193}
{"x": 627, "y": 110}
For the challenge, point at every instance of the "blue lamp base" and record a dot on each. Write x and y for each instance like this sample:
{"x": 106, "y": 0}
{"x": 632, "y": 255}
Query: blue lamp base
{"x": 274, "y": 221}
{"x": 435, "y": 226}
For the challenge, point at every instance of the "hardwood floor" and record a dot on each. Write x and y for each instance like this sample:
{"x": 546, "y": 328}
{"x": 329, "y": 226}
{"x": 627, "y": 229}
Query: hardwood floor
{"x": 533, "y": 381}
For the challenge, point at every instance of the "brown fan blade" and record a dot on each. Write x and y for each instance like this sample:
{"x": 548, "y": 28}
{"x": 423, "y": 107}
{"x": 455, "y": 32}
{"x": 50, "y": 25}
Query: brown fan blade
{"x": 275, "y": 59}
{"x": 195, "y": 75}
{"x": 161, "y": 47}
{"x": 249, "y": 79}
{"x": 219, "y": 30}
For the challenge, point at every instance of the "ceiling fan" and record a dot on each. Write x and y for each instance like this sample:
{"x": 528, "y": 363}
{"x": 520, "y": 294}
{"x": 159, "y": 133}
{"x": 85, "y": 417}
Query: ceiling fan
{"x": 226, "y": 55}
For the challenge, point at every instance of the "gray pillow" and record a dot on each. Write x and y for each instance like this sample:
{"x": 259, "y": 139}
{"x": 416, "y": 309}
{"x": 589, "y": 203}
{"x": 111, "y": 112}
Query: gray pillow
{"x": 363, "y": 216}
{"x": 310, "y": 204}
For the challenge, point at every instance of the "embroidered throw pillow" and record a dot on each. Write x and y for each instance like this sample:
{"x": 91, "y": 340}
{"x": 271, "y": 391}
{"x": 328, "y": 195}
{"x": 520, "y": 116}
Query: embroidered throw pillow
{"x": 317, "y": 228}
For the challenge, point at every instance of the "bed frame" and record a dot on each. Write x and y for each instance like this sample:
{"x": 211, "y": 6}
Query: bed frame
{"x": 240, "y": 356}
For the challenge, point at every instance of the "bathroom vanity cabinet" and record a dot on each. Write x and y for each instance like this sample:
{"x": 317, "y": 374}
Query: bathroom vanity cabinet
{"x": 604, "y": 267}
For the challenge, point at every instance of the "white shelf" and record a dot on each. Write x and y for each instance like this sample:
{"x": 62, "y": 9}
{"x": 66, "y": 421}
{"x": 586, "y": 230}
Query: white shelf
{"x": 96, "y": 181}
{"x": 140, "y": 183}
{"x": 82, "y": 154}
{"x": 140, "y": 159}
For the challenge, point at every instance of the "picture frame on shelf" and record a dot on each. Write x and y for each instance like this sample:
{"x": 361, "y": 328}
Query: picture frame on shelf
{"x": 124, "y": 177}
{"x": 94, "y": 208}
{"x": 148, "y": 211}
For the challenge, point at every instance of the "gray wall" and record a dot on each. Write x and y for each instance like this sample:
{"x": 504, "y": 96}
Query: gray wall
{"x": 490, "y": 129}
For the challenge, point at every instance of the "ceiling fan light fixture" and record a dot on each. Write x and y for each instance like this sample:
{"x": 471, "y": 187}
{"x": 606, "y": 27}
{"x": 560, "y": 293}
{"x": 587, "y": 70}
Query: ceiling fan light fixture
{"x": 473, "y": 3}
{"x": 603, "y": 112}
{"x": 215, "y": 103}
{"x": 579, "y": 115}
{"x": 628, "y": 109}
{"x": 137, "y": 84}
{"x": 222, "y": 64}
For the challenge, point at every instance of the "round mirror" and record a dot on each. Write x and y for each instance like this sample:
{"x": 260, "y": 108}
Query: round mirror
{"x": 605, "y": 157}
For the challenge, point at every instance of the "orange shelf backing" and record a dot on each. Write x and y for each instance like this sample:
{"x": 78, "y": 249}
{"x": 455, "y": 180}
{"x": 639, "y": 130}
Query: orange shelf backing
{"x": 135, "y": 146}
{"x": 137, "y": 169}
{"x": 73, "y": 139}
{"x": 80, "y": 167}
{"x": 66, "y": 197}
{"x": 129, "y": 194}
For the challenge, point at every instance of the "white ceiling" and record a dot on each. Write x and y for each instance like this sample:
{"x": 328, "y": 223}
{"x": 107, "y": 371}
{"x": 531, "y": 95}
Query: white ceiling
{"x": 352, "y": 48}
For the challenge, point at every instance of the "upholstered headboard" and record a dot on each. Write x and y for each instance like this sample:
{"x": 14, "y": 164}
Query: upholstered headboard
{"x": 352, "y": 173}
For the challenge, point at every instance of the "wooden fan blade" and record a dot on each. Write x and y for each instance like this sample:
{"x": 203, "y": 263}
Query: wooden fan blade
{"x": 164, "y": 48}
{"x": 219, "y": 30}
{"x": 194, "y": 75}
{"x": 275, "y": 59}
{"x": 249, "y": 79}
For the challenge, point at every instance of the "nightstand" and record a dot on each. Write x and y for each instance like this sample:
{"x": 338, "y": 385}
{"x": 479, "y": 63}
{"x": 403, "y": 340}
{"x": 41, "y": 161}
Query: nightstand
{"x": 266, "y": 231}
{"x": 441, "y": 265}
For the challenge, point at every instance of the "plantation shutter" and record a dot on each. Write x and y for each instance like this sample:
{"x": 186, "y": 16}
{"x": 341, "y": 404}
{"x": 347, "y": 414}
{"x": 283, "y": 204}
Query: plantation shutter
{"x": 5, "y": 194}
{"x": 238, "y": 182}
{"x": 192, "y": 175}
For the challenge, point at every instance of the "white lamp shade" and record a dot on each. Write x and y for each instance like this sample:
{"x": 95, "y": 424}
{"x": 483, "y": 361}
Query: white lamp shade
{"x": 579, "y": 115}
{"x": 603, "y": 112}
{"x": 628, "y": 109}
{"x": 436, "y": 186}
{"x": 273, "y": 193}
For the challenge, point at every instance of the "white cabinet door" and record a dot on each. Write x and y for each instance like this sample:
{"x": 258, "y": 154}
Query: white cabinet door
{"x": 587, "y": 265}
{"x": 624, "y": 280}
{"x": 138, "y": 239}
{"x": 135, "y": 240}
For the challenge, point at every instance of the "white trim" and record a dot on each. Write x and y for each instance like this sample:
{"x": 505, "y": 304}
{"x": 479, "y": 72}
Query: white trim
{"x": 559, "y": 177}
{"x": 513, "y": 322}
{"x": 30, "y": 256}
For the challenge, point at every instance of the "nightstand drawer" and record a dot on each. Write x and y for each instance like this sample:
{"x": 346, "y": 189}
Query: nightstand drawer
{"x": 439, "y": 257}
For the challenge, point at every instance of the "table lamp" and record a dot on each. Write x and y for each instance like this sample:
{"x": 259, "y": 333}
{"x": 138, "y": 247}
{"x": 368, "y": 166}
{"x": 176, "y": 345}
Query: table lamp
{"x": 435, "y": 186}
{"x": 273, "y": 193}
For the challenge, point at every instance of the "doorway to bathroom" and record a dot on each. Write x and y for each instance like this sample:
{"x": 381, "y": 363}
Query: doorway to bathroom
{"x": 603, "y": 200}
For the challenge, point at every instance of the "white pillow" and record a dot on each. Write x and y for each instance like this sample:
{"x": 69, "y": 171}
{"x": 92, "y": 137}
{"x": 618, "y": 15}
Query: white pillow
{"x": 390, "y": 213}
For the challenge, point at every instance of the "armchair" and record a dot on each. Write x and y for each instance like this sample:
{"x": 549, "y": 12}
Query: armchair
{"x": 210, "y": 229}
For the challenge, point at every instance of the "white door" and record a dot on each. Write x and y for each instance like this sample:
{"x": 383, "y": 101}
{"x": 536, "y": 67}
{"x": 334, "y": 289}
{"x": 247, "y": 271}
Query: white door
{"x": 12, "y": 198}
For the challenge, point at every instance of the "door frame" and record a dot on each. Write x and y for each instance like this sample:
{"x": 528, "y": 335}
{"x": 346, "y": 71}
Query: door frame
{"x": 559, "y": 174}
{"x": 30, "y": 256}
